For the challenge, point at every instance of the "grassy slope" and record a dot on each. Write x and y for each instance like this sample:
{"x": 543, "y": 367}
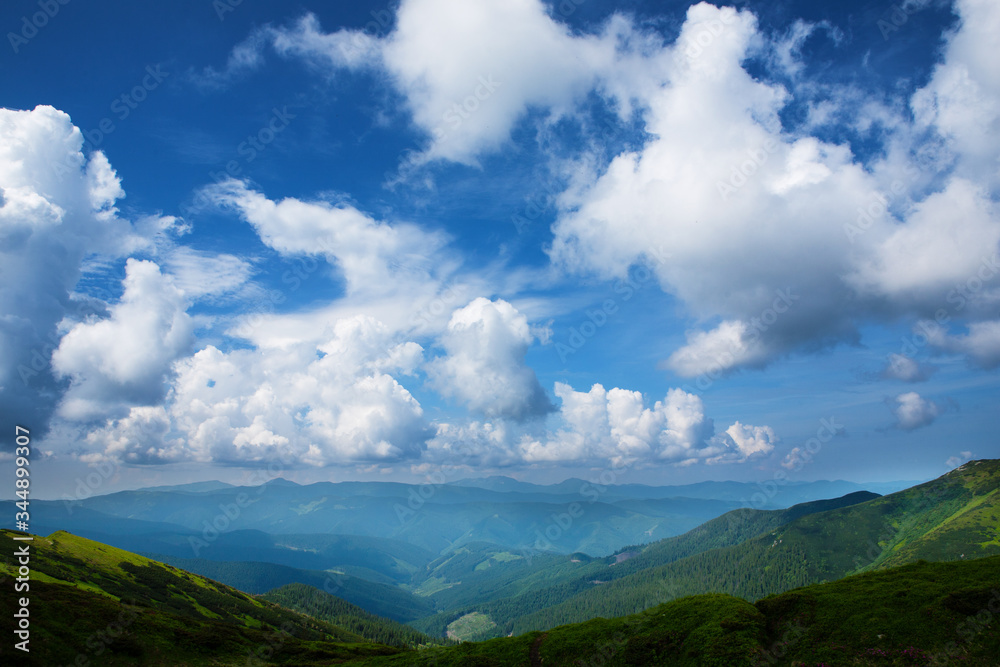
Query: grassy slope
{"x": 253, "y": 577}
{"x": 555, "y": 579}
{"x": 947, "y": 518}
{"x": 326, "y": 607}
{"x": 903, "y": 616}
{"x": 115, "y": 607}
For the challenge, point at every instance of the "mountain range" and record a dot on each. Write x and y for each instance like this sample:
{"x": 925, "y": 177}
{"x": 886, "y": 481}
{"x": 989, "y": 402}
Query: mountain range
{"x": 351, "y": 593}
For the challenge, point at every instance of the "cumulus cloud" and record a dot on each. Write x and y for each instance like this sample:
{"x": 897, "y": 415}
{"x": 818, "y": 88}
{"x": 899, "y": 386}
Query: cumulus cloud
{"x": 57, "y": 209}
{"x": 125, "y": 357}
{"x": 469, "y": 71}
{"x": 751, "y": 440}
{"x": 745, "y": 206}
{"x": 912, "y": 411}
{"x": 728, "y": 346}
{"x": 753, "y": 208}
{"x": 483, "y": 368}
{"x": 942, "y": 243}
{"x": 961, "y": 102}
{"x": 141, "y": 437}
{"x": 351, "y": 49}
{"x": 981, "y": 345}
{"x": 616, "y": 425}
{"x": 303, "y": 404}
{"x": 955, "y": 461}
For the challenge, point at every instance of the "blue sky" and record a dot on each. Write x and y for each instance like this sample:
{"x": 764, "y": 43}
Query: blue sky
{"x": 523, "y": 238}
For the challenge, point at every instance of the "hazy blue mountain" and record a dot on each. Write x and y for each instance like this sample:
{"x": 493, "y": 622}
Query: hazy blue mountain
{"x": 257, "y": 578}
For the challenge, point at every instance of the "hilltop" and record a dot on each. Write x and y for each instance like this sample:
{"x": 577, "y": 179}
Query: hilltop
{"x": 119, "y": 608}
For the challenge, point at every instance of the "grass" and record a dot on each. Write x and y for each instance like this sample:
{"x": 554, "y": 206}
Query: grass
{"x": 469, "y": 626}
{"x": 911, "y": 615}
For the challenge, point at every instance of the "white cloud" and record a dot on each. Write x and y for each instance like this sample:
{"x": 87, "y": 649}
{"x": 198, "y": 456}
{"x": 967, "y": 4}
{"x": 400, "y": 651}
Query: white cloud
{"x": 962, "y": 99}
{"x": 944, "y": 241}
{"x": 485, "y": 345}
{"x": 374, "y": 257}
{"x": 125, "y": 358}
{"x": 745, "y": 206}
{"x": 468, "y": 71}
{"x": 751, "y": 440}
{"x": 301, "y": 404}
{"x": 141, "y": 437}
{"x": 728, "y": 346}
{"x": 746, "y": 209}
{"x": 912, "y": 411}
{"x": 199, "y": 274}
{"x": 350, "y": 49}
{"x": 246, "y": 57}
{"x": 981, "y": 345}
{"x": 57, "y": 209}
{"x": 905, "y": 369}
{"x": 615, "y": 425}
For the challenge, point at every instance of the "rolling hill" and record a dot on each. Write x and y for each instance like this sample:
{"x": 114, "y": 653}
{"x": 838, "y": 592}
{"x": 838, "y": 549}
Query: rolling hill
{"x": 918, "y": 614}
{"x": 91, "y": 603}
{"x": 907, "y": 576}
{"x": 343, "y": 614}
{"x": 559, "y": 579}
{"x": 953, "y": 517}
{"x": 257, "y": 578}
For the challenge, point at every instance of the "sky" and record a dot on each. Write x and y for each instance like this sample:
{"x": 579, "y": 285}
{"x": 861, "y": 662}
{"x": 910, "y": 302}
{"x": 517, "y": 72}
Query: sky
{"x": 664, "y": 241}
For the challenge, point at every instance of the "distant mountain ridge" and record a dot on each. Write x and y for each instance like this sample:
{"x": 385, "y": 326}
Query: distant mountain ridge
{"x": 437, "y": 518}
{"x": 953, "y": 517}
{"x": 94, "y": 604}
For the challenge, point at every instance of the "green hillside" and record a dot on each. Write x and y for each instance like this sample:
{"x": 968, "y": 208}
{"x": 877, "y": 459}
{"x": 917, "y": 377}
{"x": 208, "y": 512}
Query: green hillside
{"x": 93, "y": 602}
{"x": 950, "y": 518}
{"x": 255, "y": 578}
{"x": 343, "y": 614}
{"x": 96, "y": 604}
{"x": 919, "y": 614}
{"x": 553, "y": 580}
